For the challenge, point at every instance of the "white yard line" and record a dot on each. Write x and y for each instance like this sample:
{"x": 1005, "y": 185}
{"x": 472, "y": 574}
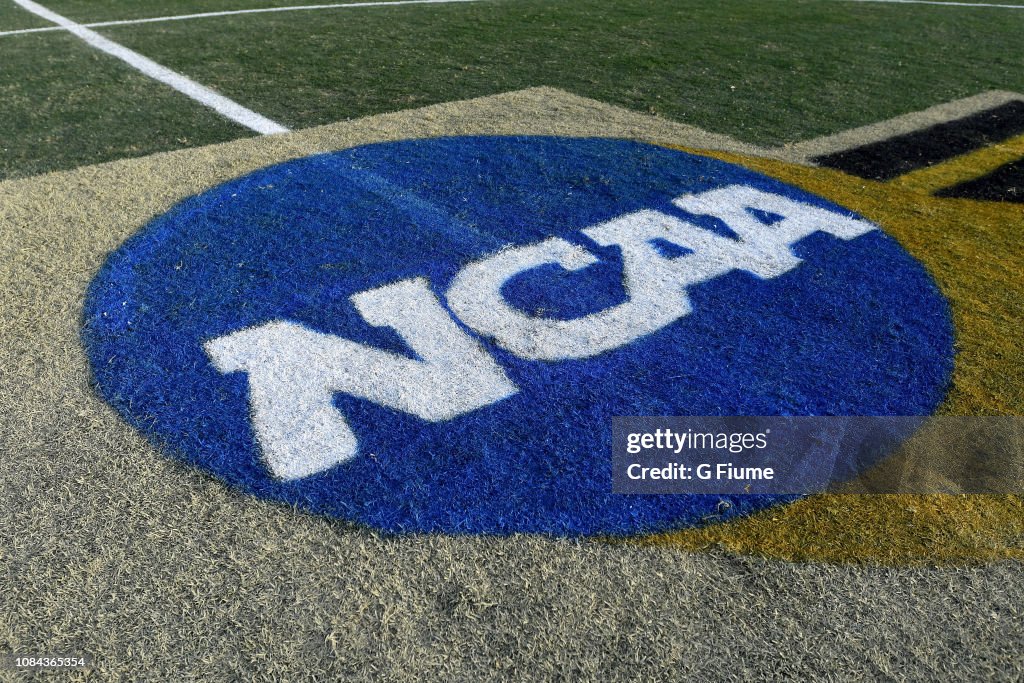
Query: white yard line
{"x": 200, "y": 93}
{"x": 228, "y": 13}
{"x": 937, "y": 2}
{"x": 344, "y": 5}
{"x": 43, "y": 29}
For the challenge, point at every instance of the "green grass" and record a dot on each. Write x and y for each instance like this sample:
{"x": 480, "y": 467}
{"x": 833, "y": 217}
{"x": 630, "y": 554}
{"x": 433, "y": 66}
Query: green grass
{"x": 13, "y": 18}
{"x": 87, "y": 11}
{"x": 63, "y": 104}
{"x": 767, "y": 72}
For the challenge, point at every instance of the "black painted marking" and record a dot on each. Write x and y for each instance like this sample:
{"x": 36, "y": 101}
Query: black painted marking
{"x": 1005, "y": 184}
{"x": 904, "y": 153}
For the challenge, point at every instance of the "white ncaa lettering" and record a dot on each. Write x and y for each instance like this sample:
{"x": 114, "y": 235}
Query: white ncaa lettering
{"x": 655, "y": 285}
{"x": 294, "y": 372}
{"x": 656, "y": 298}
{"x": 765, "y": 249}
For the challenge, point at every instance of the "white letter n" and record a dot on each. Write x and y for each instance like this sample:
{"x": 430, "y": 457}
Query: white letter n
{"x": 295, "y": 372}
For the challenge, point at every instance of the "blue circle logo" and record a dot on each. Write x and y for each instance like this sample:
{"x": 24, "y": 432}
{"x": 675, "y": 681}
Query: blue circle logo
{"x": 433, "y": 335}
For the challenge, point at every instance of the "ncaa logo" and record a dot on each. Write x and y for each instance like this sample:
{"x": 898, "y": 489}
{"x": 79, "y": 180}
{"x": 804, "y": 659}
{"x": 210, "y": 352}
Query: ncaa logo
{"x": 433, "y": 335}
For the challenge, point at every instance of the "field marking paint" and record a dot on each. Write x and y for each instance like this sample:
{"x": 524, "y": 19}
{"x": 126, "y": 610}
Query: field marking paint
{"x": 294, "y": 372}
{"x": 963, "y": 168}
{"x": 222, "y": 105}
{"x": 345, "y": 5}
{"x": 936, "y": 2}
{"x": 228, "y": 13}
{"x": 803, "y": 152}
{"x": 42, "y": 29}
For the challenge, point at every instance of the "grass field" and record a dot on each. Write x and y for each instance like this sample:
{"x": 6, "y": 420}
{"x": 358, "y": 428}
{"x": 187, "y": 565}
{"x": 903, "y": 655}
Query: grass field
{"x": 167, "y": 564}
{"x": 766, "y": 72}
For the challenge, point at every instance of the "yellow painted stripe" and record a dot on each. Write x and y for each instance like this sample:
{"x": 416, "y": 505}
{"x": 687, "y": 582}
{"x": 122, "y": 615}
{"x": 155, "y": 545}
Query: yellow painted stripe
{"x": 962, "y": 168}
{"x": 972, "y": 249}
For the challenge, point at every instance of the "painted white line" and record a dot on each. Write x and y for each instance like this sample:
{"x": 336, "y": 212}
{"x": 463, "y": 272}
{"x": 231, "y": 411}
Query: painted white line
{"x": 18, "y": 32}
{"x": 345, "y": 5}
{"x": 265, "y": 10}
{"x": 222, "y": 105}
{"x": 228, "y": 13}
{"x": 937, "y": 2}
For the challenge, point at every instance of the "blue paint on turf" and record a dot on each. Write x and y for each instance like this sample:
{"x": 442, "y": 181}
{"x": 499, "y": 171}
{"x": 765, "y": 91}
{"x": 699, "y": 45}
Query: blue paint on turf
{"x": 858, "y": 329}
